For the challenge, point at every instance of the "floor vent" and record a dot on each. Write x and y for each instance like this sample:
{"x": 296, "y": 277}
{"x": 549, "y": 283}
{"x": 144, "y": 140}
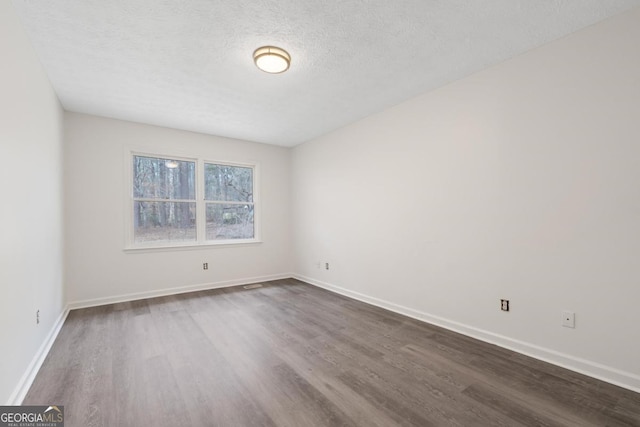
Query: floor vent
{"x": 257, "y": 285}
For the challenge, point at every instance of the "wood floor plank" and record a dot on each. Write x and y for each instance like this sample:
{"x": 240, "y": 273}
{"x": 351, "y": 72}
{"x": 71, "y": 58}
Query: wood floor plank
{"x": 509, "y": 405}
{"x": 294, "y": 402}
{"x": 546, "y": 404}
{"x": 290, "y": 354}
{"x": 326, "y": 381}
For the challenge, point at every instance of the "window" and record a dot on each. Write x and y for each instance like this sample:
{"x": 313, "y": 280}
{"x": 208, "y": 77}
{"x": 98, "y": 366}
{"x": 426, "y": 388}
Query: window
{"x": 229, "y": 201}
{"x": 187, "y": 202}
{"x": 164, "y": 200}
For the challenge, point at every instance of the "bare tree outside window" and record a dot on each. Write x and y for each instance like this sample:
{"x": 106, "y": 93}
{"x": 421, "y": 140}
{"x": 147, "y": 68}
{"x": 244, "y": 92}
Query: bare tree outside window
{"x": 229, "y": 202}
{"x": 164, "y": 205}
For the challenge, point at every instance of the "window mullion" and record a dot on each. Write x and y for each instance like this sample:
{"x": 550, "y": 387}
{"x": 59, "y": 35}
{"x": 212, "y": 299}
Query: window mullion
{"x": 143, "y": 199}
{"x": 201, "y": 220}
{"x": 223, "y": 202}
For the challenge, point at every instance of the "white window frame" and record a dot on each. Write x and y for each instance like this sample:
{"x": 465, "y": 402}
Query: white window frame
{"x": 200, "y": 242}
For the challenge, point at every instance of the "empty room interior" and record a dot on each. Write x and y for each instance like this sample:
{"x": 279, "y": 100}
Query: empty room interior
{"x": 299, "y": 213}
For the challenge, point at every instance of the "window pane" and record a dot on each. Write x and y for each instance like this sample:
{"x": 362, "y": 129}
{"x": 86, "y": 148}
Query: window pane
{"x": 228, "y": 183}
{"x": 229, "y": 221}
{"x": 164, "y": 221}
{"x": 157, "y": 178}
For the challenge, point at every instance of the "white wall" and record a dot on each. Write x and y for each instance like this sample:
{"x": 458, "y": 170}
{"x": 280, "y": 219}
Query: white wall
{"x": 98, "y": 270}
{"x": 31, "y": 209}
{"x": 519, "y": 182}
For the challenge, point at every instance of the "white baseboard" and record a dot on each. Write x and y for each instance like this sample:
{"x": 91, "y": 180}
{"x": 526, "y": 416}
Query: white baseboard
{"x": 25, "y": 382}
{"x": 174, "y": 291}
{"x": 605, "y": 373}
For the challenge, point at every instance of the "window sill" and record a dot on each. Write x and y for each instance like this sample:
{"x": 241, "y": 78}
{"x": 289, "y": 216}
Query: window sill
{"x": 191, "y": 246}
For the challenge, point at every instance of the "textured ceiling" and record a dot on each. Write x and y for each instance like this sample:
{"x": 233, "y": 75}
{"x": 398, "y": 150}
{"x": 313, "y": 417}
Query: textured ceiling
{"x": 187, "y": 64}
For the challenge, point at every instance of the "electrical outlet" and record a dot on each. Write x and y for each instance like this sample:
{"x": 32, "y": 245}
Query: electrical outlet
{"x": 37, "y": 317}
{"x": 326, "y": 265}
{"x": 568, "y": 319}
{"x": 205, "y": 265}
{"x": 504, "y": 304}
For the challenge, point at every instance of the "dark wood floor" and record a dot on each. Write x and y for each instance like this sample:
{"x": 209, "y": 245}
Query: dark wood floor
{"x": 289, "y": 354}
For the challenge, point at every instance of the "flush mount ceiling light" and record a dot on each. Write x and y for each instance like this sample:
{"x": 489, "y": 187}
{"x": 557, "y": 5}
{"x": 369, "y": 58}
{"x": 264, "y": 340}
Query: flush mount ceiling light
{"x": 271, "y": 59}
